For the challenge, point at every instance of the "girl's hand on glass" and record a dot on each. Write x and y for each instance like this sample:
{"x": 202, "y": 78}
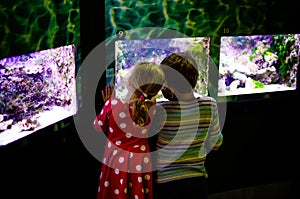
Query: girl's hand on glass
{"x": 107, "y": 93}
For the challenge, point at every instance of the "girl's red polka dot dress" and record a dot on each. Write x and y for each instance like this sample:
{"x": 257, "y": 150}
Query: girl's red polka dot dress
{"x": 126, "y": 166}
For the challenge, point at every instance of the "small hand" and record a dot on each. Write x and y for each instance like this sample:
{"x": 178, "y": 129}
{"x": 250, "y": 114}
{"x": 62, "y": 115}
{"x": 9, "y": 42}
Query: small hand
{"x": 107, "y": 93}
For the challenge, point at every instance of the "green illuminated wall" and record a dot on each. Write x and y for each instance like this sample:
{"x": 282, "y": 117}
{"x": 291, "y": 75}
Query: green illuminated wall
{"x": 28, "y": 26}
{"x": 212, "y": 18}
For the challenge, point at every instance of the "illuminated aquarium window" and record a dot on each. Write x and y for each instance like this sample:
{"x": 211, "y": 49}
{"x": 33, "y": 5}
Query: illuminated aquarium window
{"x": 36, "y": 90}
{"x": 129, "y": 52}
{"x": 258, "y": 64}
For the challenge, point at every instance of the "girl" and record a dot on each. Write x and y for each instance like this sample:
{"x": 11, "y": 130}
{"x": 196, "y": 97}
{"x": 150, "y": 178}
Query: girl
{"x": 126, "y": 166}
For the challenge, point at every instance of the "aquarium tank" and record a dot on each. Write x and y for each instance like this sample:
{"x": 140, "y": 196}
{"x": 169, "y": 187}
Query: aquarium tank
{"x": 258, "y": 64}
{"x": 36, "y": 90}
{"x": 129, "y": 52}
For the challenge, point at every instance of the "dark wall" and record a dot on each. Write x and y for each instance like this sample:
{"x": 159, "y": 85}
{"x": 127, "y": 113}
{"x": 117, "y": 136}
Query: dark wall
{"x": 260, "y": 145}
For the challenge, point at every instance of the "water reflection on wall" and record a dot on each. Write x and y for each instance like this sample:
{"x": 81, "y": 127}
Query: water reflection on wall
{"x": 211, "y": 18}
{"x": 28, "y": 26}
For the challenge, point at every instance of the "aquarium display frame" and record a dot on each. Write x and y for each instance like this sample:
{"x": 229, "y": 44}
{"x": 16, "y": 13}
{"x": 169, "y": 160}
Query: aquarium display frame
{"x": 254, "y": 67}
{"x": 129, "y": 52}
{"x": 37, "y": 90}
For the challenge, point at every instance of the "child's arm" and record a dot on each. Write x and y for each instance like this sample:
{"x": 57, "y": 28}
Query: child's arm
{"x": 215, "y": 136}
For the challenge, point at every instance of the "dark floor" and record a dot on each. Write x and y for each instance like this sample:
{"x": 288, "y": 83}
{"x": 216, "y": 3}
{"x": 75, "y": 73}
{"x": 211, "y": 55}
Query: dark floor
{"x": 276, "y": 190}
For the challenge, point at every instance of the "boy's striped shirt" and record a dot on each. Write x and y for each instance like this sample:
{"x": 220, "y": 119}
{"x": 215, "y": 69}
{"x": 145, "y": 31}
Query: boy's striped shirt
{"x": 190, "y": 131}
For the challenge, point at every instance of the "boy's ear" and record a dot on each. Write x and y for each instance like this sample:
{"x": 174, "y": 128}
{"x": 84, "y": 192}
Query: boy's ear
{"x": 169, "y": 93}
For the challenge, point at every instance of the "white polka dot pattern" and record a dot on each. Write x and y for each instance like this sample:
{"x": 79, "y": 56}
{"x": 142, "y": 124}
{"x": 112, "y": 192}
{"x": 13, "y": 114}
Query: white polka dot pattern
{"x": 121, "y": 159}
{"x": 140, "y": 179}
{"x": 143, "y": 147}
{"x": 122, "y": 115}
{"x": 146, "y": 160}
{"x": 114, "y": 102}
{"x": 116, "y": 191}
{"x": 123, "y": 125}
{"x": 147, "y": 177}
{"x": 138, "y": 167}
{"x": 144, "y": 131}
{"x": 128, "y": 135}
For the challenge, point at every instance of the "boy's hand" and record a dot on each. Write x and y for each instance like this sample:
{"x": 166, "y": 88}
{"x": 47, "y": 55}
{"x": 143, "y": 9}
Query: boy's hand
{"x": 107, "y": 93}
